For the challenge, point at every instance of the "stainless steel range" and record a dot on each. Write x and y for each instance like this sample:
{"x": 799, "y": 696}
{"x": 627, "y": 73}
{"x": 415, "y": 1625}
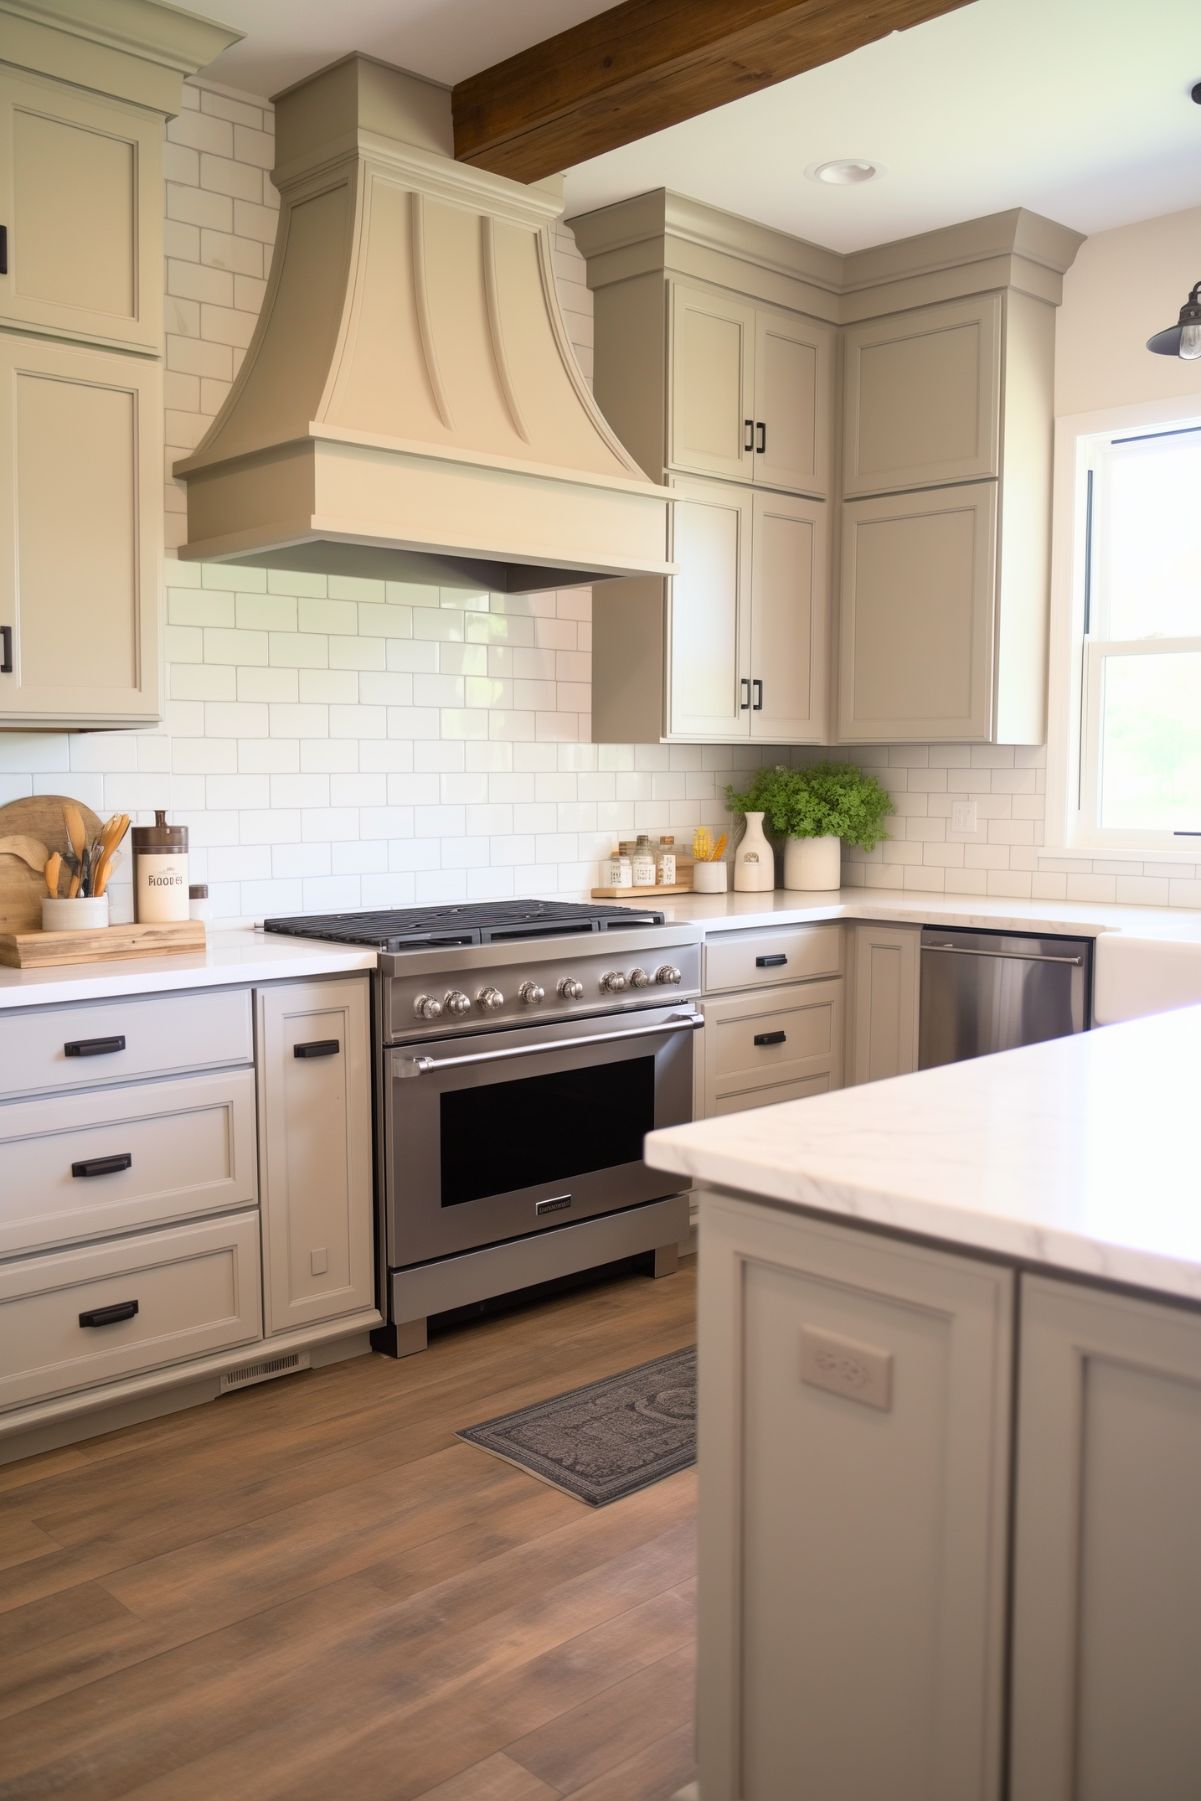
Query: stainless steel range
{"x": 524, "y": 1049}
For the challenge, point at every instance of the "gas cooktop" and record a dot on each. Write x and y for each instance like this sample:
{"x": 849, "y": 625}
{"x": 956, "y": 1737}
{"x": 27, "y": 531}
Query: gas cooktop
{"x": 492, "y": 922}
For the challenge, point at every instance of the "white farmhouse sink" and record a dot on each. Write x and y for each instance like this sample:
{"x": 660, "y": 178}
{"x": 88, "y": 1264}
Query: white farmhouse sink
{"x": 1135, "y": 976}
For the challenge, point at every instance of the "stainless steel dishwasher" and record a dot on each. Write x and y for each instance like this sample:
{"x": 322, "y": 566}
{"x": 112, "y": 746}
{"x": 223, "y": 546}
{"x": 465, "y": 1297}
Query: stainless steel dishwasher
{"x": 992, "y": 991}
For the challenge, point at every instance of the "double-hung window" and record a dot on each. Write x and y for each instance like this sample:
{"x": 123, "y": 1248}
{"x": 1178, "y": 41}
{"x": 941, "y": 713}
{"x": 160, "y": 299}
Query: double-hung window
{"x": 1134, "y": 739}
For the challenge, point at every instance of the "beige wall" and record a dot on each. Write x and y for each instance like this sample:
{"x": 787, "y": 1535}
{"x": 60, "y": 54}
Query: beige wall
{"x": 1124, "y": 285}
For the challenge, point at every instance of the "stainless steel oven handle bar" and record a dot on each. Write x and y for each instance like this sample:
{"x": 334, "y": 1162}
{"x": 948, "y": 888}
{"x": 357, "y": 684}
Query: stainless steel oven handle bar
{"x": 421, "y": 1066}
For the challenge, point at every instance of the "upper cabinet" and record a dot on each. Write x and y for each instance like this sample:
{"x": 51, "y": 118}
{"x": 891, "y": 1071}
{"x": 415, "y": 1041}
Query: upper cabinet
{"x": 82, "y": 109}
{"x": 945, "y": 578}
{"x": 728, "y": 351}
{"x": 922, "y": 397}
{"x": 81, "y": 206}
{"x": 80, "y": 442}
{"x": 749, "y": 395}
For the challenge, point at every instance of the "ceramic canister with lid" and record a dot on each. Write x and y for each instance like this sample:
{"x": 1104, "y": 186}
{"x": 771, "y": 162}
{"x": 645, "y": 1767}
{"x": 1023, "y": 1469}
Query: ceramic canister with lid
{"x": 160, "y": 872}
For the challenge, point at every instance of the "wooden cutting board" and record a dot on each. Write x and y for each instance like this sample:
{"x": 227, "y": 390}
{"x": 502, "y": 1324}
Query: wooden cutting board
{"x": 38, "y": 817}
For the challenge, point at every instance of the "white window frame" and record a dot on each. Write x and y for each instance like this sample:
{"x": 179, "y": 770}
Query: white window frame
{"x": 1075, "y": 665}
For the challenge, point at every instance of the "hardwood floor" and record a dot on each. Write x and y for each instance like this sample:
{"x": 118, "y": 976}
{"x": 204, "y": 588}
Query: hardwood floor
{"x": 313, "y": 1590}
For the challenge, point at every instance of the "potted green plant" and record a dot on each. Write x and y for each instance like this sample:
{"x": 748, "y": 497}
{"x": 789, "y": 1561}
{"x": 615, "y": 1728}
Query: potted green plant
{"x": 815, "y": 810}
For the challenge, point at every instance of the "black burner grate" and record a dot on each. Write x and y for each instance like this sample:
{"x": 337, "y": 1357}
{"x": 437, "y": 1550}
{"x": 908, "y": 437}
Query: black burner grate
{"x": 416, "y": 928}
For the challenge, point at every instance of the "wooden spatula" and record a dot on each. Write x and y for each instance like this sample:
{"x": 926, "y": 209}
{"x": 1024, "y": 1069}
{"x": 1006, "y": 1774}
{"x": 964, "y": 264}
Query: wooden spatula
{"x": 54, "y": 866}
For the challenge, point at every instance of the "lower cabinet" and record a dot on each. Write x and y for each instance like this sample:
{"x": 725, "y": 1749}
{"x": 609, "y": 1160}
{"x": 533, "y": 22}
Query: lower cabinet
{"x": 1107, "y": 1582}
{"x": 854, "y": 1423}
{"x": 314, "y": 1088}
{"x": 101, "y": 1312}
{"x": 778, "y": 1044}
{"x": 885, "y": 966}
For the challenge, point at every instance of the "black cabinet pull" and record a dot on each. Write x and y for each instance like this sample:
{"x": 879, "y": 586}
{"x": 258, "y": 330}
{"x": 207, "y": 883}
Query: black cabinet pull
{"x": 757, "y": 684}
{"x": 771, "y": 1037}
{"x": 94, "y": 1047}
{"x": 761, "y": 446}
{"x": 317, "y": 1047}
{"x": 3, "y": 249}
{"x": 6, "y": 649}
{"x": 109, "y": 1316}
{"x": 745, "y": 685}
{"x": 748, "y": 442}
{"x": 770, "y": 962}
{"x": 103, "y": 1166}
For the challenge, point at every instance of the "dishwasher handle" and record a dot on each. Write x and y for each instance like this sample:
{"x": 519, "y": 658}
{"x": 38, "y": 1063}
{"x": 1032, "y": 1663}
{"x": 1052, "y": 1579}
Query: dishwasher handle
{"x": 963, "y": 950}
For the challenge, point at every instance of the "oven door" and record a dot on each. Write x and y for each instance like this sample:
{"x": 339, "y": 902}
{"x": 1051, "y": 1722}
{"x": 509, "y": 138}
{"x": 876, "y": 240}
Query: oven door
{"x": 496, "y": 1135}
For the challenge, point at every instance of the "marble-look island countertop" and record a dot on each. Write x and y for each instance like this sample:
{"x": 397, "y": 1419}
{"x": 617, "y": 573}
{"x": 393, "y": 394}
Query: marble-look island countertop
{"x": 1078, "y": 1155}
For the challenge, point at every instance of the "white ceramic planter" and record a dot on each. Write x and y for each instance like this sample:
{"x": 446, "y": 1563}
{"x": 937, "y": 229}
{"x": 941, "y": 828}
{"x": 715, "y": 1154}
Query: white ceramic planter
{"x": 710, "y": 878}
{"x": 83, "y": 914}
{"x": 754, "y": 859}
{"x": 813, "y": 862}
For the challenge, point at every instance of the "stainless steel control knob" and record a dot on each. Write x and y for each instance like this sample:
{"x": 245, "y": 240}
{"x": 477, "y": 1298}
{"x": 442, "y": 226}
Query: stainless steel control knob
{"x": 457, "y": 1002}
{"x": 490, "y": 999}
{"x": 668, "y": 975}
{"x": 426, "y": 1007}
{"x": 639, "y": 979}
{"x": 531, "y": 993}
{"x": 613, "y": 983}
{"x": 570, "y": 989}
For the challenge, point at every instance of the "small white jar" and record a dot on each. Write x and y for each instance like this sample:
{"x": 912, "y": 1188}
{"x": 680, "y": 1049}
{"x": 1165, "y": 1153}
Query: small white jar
{"x": 644, "y": 864}
{"x": 619, "y": 871}
{"x": 667, "y": 862}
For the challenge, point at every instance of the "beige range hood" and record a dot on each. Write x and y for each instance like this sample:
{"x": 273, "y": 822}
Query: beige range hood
{"x": 410, "y": 406}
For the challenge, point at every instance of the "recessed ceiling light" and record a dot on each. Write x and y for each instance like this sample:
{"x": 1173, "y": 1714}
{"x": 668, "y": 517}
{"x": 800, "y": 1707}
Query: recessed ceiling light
{"x": 845, "y": 172}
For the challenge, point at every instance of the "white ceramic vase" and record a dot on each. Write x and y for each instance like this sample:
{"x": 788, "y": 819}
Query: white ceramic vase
{"x": 83, "y": 914}
{"x": 813, "y": 863}
{"x": 709, "y": 878}
{"x": 754, "y": 859}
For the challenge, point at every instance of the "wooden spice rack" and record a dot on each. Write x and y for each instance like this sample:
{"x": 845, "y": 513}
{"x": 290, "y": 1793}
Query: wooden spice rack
{"x": 43, "y": 950}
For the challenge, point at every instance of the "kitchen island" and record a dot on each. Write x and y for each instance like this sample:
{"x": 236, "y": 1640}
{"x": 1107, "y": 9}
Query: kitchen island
{"x": 951, "y": 1430}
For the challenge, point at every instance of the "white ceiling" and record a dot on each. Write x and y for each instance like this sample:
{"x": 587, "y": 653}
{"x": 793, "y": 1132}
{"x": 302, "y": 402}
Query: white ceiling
{"x": 1078, "y": 109}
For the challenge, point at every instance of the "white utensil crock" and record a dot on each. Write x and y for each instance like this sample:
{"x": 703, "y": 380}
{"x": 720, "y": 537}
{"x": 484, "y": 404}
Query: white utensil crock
{"x": 754, "y": 859}
{"x": 83, "y": 914}
{"x": 813, "y": 862}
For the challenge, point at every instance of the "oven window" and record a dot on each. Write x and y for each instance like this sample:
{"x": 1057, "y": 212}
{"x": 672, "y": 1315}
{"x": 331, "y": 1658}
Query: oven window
{"x": 503, "y": 1136}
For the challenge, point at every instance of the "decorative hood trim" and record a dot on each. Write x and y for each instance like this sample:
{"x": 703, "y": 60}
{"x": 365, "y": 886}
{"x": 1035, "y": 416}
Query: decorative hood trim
{"x": 410, "y": 405}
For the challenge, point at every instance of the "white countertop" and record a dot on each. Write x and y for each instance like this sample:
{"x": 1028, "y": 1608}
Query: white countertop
{"x": 242, "y": 954}
{"x": 905, "y": 906}
{"x": 1079, "y": 1155}
{"x": 232, "y": 956}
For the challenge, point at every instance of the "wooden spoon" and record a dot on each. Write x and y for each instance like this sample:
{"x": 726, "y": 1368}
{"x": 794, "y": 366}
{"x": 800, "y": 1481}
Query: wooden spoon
{"x": 77, "y": 834}
{"x": 111, "y": 835}
{"x": 30, "y": 850}
{"x": 106, "y": 869}
{"x": 54, "y": 866}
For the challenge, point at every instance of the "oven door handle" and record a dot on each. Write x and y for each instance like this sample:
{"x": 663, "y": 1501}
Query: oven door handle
{"x": 423, "y": 1066}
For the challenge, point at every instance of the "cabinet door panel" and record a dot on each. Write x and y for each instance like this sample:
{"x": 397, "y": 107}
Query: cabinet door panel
{"x": 315, "y": 1151}
{"x": 918, "y": 596}
{"x": 769, "y": 1041}
{"x": 709, "y": 612}
{"x": 712, "y": 383}
{"x": 793, "y": 378}
{"x": 884, "y": 974}
{"x": 922, "y": 397}
{"x": 80, "y": 529}
{"x": 790, "y": 608}
{"x": 1107, "y": 1588}
{"x": 851, "y": 1555}
{"x": 79, "y": 192}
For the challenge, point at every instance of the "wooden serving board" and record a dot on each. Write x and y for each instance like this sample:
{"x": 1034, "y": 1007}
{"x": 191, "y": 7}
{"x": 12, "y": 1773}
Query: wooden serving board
{"x": 42, "y": 950}
{"x": 38, "y": 817}
{"x": 630, "y": 893}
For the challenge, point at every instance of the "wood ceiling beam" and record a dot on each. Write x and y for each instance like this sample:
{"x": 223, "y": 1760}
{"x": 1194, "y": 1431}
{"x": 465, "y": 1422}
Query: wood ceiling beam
{"x": 647, "y": 64}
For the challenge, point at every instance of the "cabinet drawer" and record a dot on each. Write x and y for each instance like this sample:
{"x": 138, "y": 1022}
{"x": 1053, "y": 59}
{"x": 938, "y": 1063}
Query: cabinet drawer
{"x": 780, "y": 954}
{"x": 118, "y": 1041}
{"x": 195, "y": 1288}
{"x": 771, "y": 1097}
{"x": 761, "y": 1041}
{"x": 85, "y": 1165}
